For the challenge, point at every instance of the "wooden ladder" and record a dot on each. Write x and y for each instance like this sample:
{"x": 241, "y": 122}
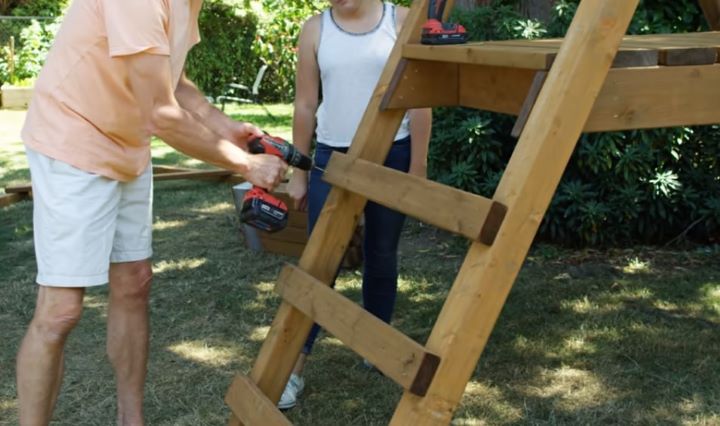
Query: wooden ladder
{"x": 595, "y": 79}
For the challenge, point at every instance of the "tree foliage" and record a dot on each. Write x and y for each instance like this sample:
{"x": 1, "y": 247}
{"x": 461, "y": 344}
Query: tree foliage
{"x": 645, "y": 186}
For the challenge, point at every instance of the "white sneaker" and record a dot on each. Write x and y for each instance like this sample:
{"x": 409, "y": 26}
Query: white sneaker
{"x": 293, "y": 389}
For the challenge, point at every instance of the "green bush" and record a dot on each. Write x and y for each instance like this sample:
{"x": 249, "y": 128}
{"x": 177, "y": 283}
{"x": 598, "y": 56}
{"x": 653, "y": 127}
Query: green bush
{"x": 276, "y": 41}
{"x": 645, "y": 186}
{"x": 225, "y": 54}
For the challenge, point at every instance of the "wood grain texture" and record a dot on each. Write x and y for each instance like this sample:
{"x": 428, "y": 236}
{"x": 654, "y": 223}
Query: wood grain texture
{"x": 394, "y": 354}
{"x": 527, "y": 186}
{"x": 251, "y": 405}
{"x": 448, "y": 208}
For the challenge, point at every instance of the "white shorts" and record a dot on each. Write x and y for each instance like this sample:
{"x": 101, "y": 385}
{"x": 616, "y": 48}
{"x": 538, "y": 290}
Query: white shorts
{"x": 83, "y": 222}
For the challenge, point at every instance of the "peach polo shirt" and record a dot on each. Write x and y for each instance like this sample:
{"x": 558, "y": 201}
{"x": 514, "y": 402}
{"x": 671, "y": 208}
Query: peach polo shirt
{"x": 83, "y": 112}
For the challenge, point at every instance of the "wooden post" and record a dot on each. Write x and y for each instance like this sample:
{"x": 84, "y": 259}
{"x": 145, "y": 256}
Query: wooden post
{"x": 711, "y": 9}
{"x": 487, "y": 275}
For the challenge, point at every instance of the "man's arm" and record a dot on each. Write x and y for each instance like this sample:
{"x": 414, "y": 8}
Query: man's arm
{"x": 150, "y": 81}
{"x": 191, "y": 99}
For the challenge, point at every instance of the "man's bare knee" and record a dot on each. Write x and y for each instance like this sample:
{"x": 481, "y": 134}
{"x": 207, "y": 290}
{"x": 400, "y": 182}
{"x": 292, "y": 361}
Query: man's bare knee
{"x": 54, "y": 321}
{"x": 130, "y": 282}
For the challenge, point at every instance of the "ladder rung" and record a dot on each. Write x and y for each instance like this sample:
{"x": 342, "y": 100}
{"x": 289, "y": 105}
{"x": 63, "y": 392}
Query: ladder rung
{"x": 473, "y": 216}
{"x": 399, "y": 357}
{"x": 251, "y": 406}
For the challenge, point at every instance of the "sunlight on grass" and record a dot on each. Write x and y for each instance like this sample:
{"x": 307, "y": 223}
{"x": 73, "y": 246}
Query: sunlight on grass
{"x": 265, "y": 286}
{"x": 178, "y": 265}
{"x": 162, "y": 225}
{"x": 637, "y": 266}
{"x": 215, "y": 208}
{"x": 490, "y": 398}
{"x": 711, "y": 297}
{"x": 94, "y": 302}
{"x": 573, "y": 388}
{"x": 8, "y": 405}
{"x": 581, "y": 306}
{"x": 199, "y": 351}
{"x": 258, "y": 334}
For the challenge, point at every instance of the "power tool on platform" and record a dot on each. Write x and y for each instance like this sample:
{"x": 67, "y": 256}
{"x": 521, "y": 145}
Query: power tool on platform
{"x": 434, "y": 31}
{"x": 261, "y": 209}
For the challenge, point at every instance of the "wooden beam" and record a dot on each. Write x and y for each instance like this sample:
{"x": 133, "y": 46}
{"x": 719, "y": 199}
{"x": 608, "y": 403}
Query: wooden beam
{"x": 249, "y": 403}
{"x": 462, "y": 213}
{"x": 527, "y": 186}
{"x": 394, "y": 354}
{"x": 631, "y": 98}
{"x": 661, "y": 97}
{"x": 484, "y": 53}
{"x": 711, "y": 9}
{"x": 415, "y": 82}
{"x": 497, "y": 89}
{"x": 336, "y": 224}
{"x": 529, "y": 103}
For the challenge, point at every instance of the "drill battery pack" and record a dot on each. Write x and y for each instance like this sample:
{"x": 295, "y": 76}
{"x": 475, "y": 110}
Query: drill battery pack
{"x": 263, "y": 211}
{"x": 439, "y": 33}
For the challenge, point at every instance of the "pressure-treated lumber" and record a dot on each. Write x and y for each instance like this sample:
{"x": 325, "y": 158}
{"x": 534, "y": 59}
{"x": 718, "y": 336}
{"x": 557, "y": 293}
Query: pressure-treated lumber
{"x": 394, "y": 354}
{"x": 536, "y": 166}
{"x": 250, "y": 404}
{"x": 463, "y": 213}
{"x": 335, "y": 225}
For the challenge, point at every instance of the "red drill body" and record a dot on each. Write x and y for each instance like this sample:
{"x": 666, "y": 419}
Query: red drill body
{"x": 259, "y": 208}
{"x": 434, "y": 31}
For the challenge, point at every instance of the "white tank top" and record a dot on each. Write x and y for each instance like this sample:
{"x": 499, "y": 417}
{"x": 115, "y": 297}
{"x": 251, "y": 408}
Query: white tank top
{"x": 350, "y": 67}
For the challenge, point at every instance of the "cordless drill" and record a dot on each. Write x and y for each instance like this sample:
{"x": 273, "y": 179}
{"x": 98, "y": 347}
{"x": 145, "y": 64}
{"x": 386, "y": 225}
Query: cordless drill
{"x": 434, "y": 31}
{"x": 259, "y": 208}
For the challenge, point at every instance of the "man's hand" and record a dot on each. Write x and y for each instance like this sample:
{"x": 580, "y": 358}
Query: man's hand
{"x": 265, "y": 171}
{"x": 241, "y": 133}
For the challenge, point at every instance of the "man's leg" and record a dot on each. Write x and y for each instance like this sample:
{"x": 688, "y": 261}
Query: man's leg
{"x": 127, "y": 339}
{"x": 40, "y": 358}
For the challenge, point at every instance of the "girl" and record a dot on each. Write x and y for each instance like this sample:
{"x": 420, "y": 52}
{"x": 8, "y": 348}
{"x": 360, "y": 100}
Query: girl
{"x": 343, "y": 51}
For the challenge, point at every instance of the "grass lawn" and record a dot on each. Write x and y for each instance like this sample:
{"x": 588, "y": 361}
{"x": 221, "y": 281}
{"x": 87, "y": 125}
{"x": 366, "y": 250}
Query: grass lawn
{"x": 587, "y": 337}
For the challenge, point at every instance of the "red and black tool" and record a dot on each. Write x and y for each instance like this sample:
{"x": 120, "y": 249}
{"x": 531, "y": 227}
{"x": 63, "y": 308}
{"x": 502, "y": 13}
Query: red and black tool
{"x": 261, "y": 209}
{"x": 434, "y": 31}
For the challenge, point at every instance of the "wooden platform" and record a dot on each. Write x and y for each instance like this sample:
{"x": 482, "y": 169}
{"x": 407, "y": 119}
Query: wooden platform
{"x": 635, "y": 51}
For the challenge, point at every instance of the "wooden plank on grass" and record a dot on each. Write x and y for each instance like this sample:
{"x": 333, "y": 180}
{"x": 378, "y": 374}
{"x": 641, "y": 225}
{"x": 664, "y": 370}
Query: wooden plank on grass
{"x": 23, "y": 188}
{"x": 216, "y": 175}
{"x": 440, "y": 205}
{"x": 251, "y": 405}
{"x": 396, "y": 355}
{"x": 8, "y": 199}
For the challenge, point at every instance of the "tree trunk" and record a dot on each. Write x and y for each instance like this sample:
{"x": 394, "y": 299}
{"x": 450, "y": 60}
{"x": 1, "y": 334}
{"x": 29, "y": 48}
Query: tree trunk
{"x": 540, "y": 10}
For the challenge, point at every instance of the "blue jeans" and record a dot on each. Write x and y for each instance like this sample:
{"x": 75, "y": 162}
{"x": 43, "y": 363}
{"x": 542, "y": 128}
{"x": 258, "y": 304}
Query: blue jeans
{"x": 382, "y": 234}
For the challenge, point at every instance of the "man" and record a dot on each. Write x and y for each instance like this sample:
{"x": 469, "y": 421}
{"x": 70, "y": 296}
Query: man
{"x": 113, "y": 78}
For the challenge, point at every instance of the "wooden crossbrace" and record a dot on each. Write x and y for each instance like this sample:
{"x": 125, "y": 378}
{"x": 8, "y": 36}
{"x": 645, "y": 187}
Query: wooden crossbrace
{"x": 575, "y": 91}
